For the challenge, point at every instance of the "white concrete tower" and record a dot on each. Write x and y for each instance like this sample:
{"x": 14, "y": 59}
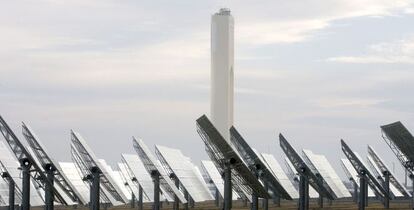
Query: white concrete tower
{"x": 222, "y": 63}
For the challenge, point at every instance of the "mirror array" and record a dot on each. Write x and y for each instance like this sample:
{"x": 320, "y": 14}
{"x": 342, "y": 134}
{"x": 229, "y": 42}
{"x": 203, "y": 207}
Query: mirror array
{"x": 235, "y": 172}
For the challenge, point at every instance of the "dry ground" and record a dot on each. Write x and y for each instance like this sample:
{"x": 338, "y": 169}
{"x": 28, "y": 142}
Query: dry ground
{"x": 239, "y": 205}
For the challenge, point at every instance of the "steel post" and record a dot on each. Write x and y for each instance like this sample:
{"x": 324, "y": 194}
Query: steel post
{"x": 49, "y": 187}
{"x": 156, "y": 177}
{"x": 320, "y": 200}
{"x": 132, "y": 200}
{"x": 366, "y": 191}
{"x": 265, "y": 200}
{"x": 302, "y": 192}
{"x": 355, "y": 190}
{"x": 227, "y": 187}
{"x": 412, "y": 184}
{"x": 89, "y": 177}
{"x": 192, "y": 203}
{"x": 25, "y": 165}
{"x": 11, "y": 192}
{"x": 176, "y": 201}
{"x": 187, "y": 197}
{"x": 276, "y": 200}
{"x": 140, "y": 197}
{"x": 362, "y": 194}
{"x": 255, "y": 202}
{"x": 387, "y": 189}
{"x": 96, "y": 173}
{"x": 307, "y": 194}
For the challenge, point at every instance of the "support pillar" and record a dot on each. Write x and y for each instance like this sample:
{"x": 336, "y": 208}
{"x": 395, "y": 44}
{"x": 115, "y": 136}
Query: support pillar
{"x": 276, "y": 200}
{"x": 86, "y": 178}
{"x": 192, "y": 203}
{"x": 307, "y": 194}
{"x": 96, "y": 175}
{"x": 412, "y": 185}
{"x": 132, "y": 200}
{"x": 387, "y": 189}
{"x": 255, "y": 202}
{"x": 11, "y": 194}
{"x": 156, "y": 177}
{"x": 140, "y": 197}
{"x": 355, "y": 190}
{"x": 25, "y": 165}
{"x": 11, "y": 189}
{"x": 265, "y": 200}
{"x": 187, "y": 197}
{"x": 362, "y": 193}
{"x": 176, "y": 205}
{"x": 49, "y": 197}
{"x": 303, "y": 185}
{"x": 227, "y": 187}
{"x": 320, "y": 199}
{"x": 366, "y": 191}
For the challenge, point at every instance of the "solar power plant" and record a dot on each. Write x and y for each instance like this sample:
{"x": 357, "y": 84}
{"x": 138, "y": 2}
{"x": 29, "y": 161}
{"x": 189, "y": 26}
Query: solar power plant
{"x": 220, "y": 152}
{"x": 301, "y": 167}
{"x": 352, "y": 175}
{"x": 321, "y": 165}
{"x": 176, "y": 163}
{"x": 86, "y": 175}
{"x": 90, "y": 160}
{"x": 70, "y": 171}
{"x": 136, "y": 170}
{"x": 30, "y": 168}
{"x": 257, "y": 165}
{"x": 280, "y": 175}
{"x": 401, "y": 142}
{"x": 384, "y": 168}
{"x": 294, "y": 178}
{"x": 152, "y": 165}
{"x": 47, "y": 162}
{"x": 360, "y": 167}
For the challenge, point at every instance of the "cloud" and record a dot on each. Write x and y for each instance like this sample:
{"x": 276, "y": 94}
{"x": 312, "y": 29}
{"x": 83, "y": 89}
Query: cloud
{"x": 280, "y": 24}
{"x": 347, "y": 102}
{"x": 278, "y": 32}
{"x": 400, "y": 51}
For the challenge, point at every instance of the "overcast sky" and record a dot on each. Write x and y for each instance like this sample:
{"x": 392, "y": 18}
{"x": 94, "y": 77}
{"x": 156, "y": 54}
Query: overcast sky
{"x": 315, "y": 70}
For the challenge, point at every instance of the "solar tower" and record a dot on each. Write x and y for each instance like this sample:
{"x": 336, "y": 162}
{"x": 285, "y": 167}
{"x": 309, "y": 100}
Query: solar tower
{"x": 222, "y": 63}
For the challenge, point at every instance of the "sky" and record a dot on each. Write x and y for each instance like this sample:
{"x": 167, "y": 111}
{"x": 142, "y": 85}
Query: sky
{"x": 315, "y": 70}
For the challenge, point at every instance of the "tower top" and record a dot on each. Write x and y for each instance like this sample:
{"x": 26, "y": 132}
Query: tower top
{"x": 224, "y": 11}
